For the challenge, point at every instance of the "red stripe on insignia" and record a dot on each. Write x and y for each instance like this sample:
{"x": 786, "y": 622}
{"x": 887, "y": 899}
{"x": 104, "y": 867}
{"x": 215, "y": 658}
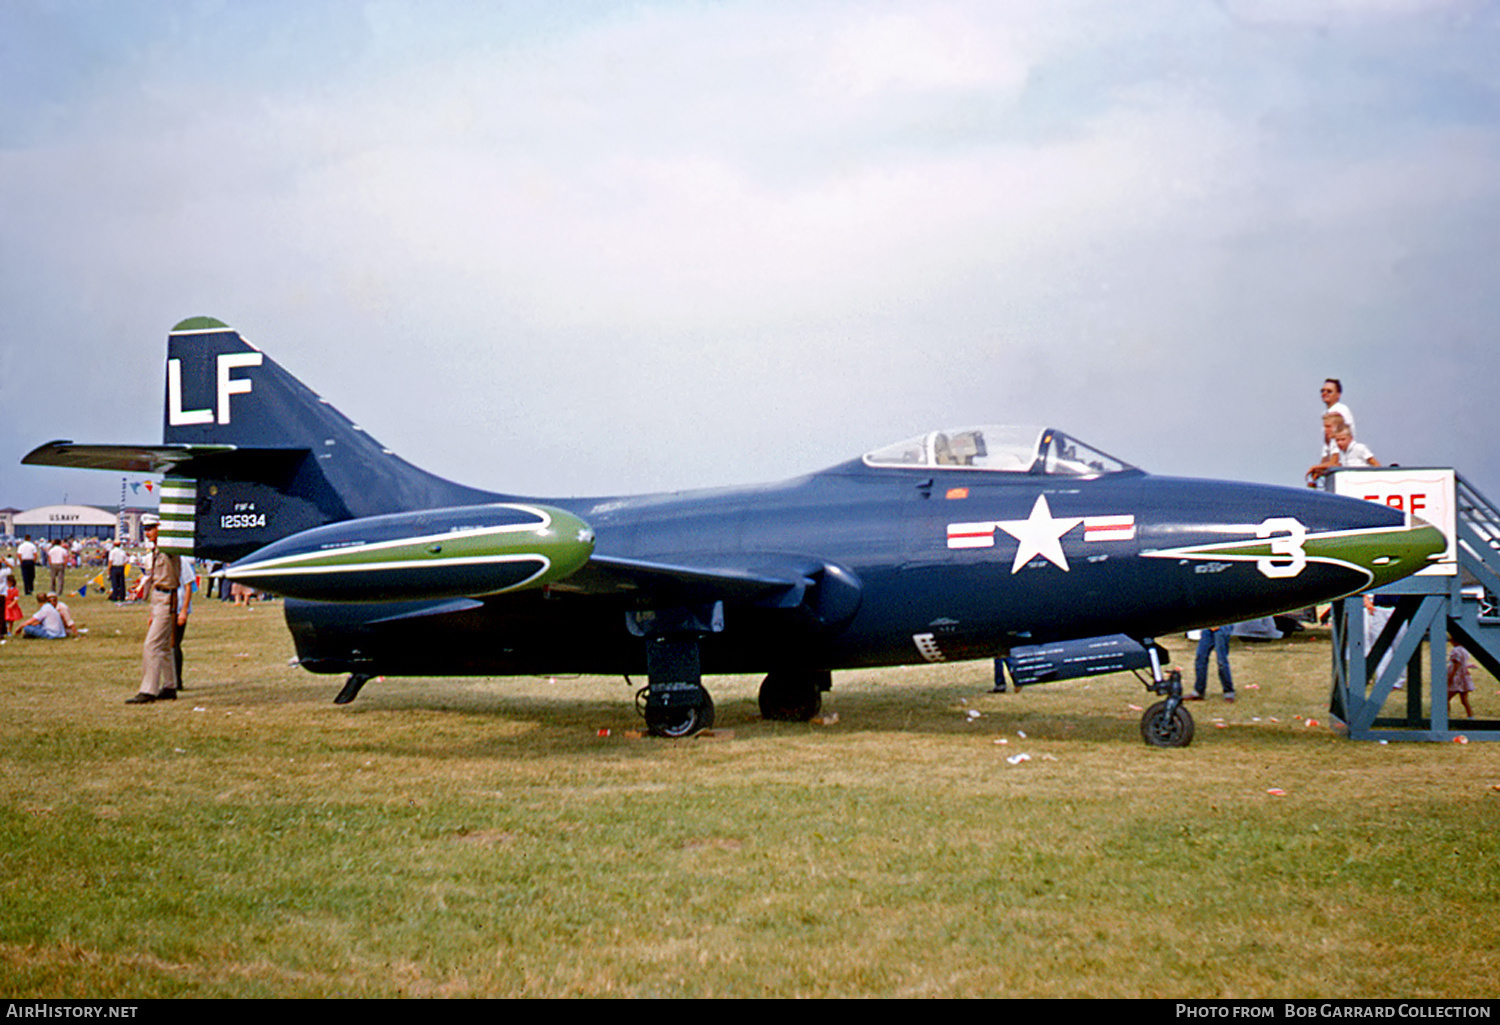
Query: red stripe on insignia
{"x": 1109, "y": 528}
{"x": 971, "y": 535}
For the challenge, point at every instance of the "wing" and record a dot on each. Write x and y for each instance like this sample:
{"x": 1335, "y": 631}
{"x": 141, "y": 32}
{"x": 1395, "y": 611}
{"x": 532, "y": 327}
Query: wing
{"x": 827, "y": 591}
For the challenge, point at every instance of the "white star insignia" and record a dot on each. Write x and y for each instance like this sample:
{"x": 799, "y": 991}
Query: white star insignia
{"x": 1039, "y": 534}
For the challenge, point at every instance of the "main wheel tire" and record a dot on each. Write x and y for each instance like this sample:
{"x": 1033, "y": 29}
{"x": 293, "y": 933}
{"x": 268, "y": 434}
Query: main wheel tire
{"x": 1160, "y": 730}
{"x": 682, "y": 720}
{"x": 790, "y": 695}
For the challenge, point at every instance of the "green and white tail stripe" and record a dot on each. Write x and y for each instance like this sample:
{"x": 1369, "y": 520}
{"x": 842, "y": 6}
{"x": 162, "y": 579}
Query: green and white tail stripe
{"x": 179, "y": 500}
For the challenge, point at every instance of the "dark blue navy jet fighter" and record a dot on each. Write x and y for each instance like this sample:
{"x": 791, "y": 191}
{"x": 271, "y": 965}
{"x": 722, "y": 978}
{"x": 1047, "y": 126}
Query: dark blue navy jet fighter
{"x": 958, "y": 544}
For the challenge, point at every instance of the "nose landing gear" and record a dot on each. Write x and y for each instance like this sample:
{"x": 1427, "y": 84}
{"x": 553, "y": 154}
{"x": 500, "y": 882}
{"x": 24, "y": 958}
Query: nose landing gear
{"x": 1166, "y": 723}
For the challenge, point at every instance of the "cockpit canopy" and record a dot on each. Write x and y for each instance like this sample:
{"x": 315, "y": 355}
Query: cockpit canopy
{"x": 1037, "y": 450}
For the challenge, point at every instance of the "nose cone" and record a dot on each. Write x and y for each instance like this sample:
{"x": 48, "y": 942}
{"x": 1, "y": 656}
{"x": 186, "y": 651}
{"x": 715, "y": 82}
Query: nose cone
{"x": 1238, "y": 551}
{"x": 1387, "y": 554}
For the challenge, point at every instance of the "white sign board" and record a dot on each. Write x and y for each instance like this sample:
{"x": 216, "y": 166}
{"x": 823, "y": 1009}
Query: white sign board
{"x": 1431, "y": 495}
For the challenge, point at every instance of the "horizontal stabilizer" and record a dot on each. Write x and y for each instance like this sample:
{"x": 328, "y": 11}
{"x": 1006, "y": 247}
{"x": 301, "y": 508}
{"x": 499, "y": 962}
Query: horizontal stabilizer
{"x": 181, "y": 460}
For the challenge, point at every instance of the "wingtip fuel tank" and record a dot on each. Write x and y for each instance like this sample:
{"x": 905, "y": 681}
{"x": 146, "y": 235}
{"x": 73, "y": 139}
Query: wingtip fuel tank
{"x": 471, "y": 551}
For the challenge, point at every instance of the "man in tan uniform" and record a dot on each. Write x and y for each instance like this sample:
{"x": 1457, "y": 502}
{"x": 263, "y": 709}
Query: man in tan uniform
{"x": 158, "y": 671}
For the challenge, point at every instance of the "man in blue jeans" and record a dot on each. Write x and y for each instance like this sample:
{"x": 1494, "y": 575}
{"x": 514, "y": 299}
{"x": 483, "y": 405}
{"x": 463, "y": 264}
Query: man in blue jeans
{"x": 1217, "y": 639}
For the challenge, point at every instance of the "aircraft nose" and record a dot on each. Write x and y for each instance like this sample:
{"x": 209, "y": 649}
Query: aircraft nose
{"x": 1387, "y": 553}
{"x": 1307, "y": 546}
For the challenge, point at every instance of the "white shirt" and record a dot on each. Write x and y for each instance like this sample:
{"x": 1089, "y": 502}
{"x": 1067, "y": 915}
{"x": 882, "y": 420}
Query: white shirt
{"x": 1343, "y": 411}
{"x": 1357, "y": 454}
{"x": 51, "y": 621}
{"x": 189, "y": 583}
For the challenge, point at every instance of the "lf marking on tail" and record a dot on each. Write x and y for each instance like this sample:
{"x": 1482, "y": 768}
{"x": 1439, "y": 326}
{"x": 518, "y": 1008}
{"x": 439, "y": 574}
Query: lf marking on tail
{"x": 227, "y": 386}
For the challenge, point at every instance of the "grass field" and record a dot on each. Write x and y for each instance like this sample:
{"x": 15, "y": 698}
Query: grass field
{"x": 477, "y": 837}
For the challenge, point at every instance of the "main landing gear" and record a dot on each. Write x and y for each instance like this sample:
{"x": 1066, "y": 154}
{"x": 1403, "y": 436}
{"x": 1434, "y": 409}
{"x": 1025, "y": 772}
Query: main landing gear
{"x": 677, "y": 705}
{"x": 793, "y": 695}
{"x": 679, "y": 712}
{"x": 674, "y": 703}
{"x": 675, "y": 709}
{"x": 1166, "y": 723}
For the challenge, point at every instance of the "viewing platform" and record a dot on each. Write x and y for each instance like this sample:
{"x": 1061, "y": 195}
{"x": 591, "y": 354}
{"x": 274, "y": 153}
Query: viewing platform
{"x": 1456, "y": 597}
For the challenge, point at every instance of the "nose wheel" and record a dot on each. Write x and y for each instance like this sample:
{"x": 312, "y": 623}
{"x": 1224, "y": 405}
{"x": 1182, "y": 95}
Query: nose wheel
{"x": 1163, "y": 726}
{"x": 1166, "y": 723}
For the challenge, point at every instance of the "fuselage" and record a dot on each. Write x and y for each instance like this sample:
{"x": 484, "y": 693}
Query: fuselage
{"x": 948, "y": 564}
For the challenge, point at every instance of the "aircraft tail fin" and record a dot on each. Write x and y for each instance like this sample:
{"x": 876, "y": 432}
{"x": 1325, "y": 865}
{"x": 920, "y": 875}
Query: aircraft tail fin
{"x": 277, "y": 459}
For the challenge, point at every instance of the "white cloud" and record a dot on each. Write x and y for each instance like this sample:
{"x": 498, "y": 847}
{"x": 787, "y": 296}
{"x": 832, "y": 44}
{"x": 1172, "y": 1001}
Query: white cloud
{"x": 937, "y": 49}
{"x": 1326, "y": 12}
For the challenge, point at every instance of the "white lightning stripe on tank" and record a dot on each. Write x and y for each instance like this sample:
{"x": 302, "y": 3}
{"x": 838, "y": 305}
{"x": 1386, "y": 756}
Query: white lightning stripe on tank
{"x": 255, "y": 572}
{"x": 267, "y": 570}
{"x": 375, "y": 546}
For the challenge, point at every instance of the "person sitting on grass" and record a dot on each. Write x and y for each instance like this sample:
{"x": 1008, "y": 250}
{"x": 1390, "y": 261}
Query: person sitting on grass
{"x": 45, "y": 624}
{"x": 63, "y": 611}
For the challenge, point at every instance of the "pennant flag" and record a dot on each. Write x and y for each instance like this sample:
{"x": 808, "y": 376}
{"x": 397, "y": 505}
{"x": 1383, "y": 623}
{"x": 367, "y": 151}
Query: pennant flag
{"x": 83, "y": 591}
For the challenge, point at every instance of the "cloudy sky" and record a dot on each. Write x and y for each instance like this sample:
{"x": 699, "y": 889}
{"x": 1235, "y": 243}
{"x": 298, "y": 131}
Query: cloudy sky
{"x": 590, "y": 248}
